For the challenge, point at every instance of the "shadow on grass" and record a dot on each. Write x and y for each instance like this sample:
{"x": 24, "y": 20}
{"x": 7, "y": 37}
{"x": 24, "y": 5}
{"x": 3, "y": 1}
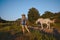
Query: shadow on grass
{"x": 20, "y": 36}
{"x": 56, "y": 34}
{"x": 5, "y": 36}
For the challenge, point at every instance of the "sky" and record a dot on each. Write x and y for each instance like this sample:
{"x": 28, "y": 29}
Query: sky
{"x": 13, "y": 9}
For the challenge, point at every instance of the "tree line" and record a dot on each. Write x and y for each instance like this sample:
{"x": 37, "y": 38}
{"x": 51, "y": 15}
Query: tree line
{"x": 33, "y": 15}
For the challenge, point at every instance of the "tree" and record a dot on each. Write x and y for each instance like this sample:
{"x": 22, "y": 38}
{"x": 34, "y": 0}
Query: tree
{"x": 33, "y": 15}
{"x": 2, "y": 20}
{"x": 57, "y": 17}
{"x": 48, "y": 14}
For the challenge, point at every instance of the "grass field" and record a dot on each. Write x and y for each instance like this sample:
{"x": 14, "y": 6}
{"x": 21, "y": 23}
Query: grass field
{"x": 14, "y": 32}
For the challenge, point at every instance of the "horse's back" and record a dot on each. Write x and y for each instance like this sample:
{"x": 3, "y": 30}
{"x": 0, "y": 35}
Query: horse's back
{"x": 41, "y": 20}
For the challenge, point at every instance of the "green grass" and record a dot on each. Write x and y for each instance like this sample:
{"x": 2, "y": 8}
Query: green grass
{"x": 13, "y": 28}
{"x": 57, "y": 26}
{"x": 35, "y": 34}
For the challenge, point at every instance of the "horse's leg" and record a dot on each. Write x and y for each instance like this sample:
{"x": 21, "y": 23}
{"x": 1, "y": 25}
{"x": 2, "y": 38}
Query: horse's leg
{"x": 41, "y": 26}
{"x": 48, "y": 26}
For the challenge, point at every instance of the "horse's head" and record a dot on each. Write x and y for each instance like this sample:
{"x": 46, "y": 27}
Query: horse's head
{"x": 53, "y": 21}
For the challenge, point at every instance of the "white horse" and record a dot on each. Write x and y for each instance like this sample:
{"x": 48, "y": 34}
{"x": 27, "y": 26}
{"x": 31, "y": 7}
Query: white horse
{"x": 45, "y": 21}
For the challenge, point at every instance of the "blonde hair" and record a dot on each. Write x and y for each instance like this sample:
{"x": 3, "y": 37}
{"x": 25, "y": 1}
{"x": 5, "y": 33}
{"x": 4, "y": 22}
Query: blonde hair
{"x": 23, "y": 14}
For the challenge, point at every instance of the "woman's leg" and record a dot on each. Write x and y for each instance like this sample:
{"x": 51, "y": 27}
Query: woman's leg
{"x": 23, "y": 28}
{"x": 27, "y": 29}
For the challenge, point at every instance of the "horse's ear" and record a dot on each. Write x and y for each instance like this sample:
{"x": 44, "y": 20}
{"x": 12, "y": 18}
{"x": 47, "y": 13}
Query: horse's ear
{"x": 54, "y": 19}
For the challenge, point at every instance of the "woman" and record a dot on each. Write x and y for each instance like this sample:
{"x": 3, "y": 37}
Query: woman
{"x": 23, "y": 23}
